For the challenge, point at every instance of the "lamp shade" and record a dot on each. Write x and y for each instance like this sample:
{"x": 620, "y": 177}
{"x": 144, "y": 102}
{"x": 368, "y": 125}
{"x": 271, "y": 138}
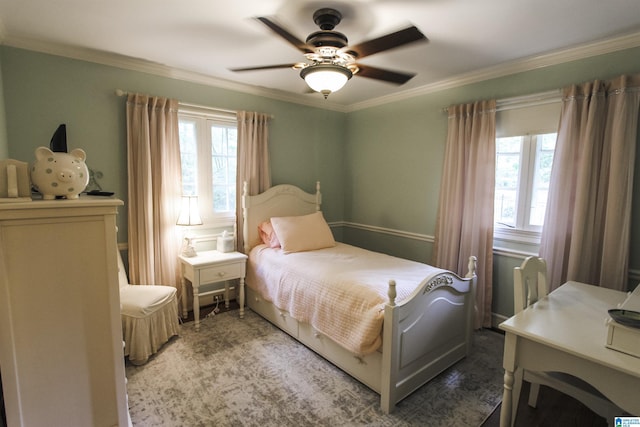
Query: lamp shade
{"x": 326, "y": 78}
{"x": 189, "y": 211}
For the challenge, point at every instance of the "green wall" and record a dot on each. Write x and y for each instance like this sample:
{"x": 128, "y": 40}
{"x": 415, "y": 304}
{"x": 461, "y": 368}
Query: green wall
{"x": 4, "y": 143}
{"x": 395, "y": 153}
{"x": 41, "y": 91}
{"x": 379, "y": 167}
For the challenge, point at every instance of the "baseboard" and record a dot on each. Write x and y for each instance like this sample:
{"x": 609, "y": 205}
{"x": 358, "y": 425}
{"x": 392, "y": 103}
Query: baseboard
{"x": 496, "y": 319}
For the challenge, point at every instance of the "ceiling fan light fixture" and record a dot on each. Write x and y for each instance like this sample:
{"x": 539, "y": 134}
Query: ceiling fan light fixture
{"x": 326, "y": 78}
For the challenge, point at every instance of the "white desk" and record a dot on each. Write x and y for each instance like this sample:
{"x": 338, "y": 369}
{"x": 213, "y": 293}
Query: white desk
{"x": 566, "y": 332}
{"x": 211, "y": 267}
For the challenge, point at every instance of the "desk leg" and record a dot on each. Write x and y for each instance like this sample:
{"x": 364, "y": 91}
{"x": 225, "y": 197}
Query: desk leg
{"x": 241, "y": 297}
{"x": 505, "y": 412}
{"x": 196, "y": 305}
{"x": 509, "y": 363}
{"x": 185, "y": 312}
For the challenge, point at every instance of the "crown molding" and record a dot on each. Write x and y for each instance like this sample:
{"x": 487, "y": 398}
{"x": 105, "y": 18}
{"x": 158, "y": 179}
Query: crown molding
{"x": 526, "y": 64}
{"x": 154, "y": 68}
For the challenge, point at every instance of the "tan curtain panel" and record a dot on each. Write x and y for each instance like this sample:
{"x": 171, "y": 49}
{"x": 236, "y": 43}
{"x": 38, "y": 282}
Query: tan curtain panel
{"x": 587, "y": 224}
{"x": 253, "y": 161}
{"x": 465, "y": 214}
{"x": 154, "y": 186}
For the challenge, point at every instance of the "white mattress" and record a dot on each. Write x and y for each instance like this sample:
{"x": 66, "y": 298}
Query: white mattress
{"x": 340, "y": 291}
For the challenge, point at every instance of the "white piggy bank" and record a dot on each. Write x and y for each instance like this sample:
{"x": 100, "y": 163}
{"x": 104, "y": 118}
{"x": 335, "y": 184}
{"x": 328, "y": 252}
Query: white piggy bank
{"x": 59, "y": 174}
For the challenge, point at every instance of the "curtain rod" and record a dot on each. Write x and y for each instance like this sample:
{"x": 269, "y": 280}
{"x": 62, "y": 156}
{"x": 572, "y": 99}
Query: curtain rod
{"x": 120, "y": 92}
{"x": 532, "y": 100}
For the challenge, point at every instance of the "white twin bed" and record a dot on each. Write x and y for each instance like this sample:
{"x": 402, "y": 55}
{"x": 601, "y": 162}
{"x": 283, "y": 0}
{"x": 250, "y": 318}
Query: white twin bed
{"x": 391, "y": 323}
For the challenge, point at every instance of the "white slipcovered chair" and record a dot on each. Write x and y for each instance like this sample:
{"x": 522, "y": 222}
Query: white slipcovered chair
{"x": 530, "y": 285}
{"x": 149, "y": 317}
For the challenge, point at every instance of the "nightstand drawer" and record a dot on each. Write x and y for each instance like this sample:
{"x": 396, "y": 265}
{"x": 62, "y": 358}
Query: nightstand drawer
{"x": 222, "y": 272}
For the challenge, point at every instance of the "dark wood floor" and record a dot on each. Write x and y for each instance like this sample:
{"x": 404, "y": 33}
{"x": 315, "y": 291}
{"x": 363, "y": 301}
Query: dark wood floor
{"x": 553, "y": 409}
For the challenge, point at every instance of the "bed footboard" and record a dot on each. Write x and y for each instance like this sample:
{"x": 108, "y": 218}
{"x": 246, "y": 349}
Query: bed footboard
{"x": 422, "y": 337}
{"x": 426, "y": 334}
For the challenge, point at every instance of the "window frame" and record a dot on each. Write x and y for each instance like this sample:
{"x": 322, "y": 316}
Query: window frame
{"x": 203, "y": 120}
{"x": 537, "y": 113}
{"x": 529, "y": 156}
{"x": 524, "y": 231}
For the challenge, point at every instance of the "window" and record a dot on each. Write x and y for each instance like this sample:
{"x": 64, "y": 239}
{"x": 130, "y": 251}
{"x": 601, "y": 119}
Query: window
{"x": 523, "y": 169}
{"x": 208, "y": 151}
{"x": 525, "y": 144}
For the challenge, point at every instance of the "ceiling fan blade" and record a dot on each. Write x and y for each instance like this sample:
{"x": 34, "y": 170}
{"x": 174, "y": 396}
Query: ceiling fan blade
{"x": 296, "y": 42}
{"x": 390, "y": 41}
{"x": 396, "y": 77}
{"x": 264, "y": 67}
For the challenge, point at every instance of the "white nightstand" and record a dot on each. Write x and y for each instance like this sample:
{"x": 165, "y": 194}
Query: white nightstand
{"x": 211, "y": 267}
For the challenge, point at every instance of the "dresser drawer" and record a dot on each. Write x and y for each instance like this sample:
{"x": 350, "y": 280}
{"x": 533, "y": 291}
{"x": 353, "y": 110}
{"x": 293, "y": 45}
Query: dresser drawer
{"x": 222, "y": 272}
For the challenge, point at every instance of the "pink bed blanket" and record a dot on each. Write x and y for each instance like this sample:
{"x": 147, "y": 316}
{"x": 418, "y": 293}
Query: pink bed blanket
{"x": 340, "y": 291}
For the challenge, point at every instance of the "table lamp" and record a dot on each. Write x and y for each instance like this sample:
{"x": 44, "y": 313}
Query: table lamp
{"x": 189, "y": 216}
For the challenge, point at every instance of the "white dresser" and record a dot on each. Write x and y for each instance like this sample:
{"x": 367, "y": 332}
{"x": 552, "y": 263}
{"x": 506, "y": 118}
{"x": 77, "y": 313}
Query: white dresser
{"x": 60, "y": 329}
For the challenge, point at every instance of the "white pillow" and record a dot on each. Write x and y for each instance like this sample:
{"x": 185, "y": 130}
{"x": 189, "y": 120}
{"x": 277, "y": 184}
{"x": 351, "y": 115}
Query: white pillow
{"x": 303, "y": 233}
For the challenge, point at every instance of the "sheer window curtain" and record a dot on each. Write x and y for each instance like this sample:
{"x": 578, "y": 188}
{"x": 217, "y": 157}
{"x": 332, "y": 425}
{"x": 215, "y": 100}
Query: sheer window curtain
{"x": 253, "y": 161}
{"x": 465, "y": 214}
{"x": 154, "y": 186}
{"x": 587, "y": 224}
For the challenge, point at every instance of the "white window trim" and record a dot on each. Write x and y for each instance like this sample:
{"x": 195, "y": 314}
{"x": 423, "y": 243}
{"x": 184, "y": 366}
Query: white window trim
{"x": 189, "y": 111}
{"x": 512, "y": 235}
{"x": 521, "y": 233}
{"x": 505, "y": 233}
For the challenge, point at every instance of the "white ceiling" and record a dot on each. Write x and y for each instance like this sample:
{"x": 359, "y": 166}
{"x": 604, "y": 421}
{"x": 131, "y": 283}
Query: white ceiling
{"x": 207, "y": 37}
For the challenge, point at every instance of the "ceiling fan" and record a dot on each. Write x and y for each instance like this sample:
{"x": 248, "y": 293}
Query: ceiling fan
{"x": 330, "y": 62}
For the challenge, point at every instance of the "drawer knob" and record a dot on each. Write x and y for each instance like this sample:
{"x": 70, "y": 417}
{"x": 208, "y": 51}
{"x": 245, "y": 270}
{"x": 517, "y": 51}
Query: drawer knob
{"x": 222, "y": 274}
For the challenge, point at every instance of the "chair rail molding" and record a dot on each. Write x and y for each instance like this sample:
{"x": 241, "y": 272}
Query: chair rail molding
{"x": 384, "y": 230}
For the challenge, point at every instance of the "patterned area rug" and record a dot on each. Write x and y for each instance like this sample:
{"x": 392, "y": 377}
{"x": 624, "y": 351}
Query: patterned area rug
{"x": 248, "y": 373}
